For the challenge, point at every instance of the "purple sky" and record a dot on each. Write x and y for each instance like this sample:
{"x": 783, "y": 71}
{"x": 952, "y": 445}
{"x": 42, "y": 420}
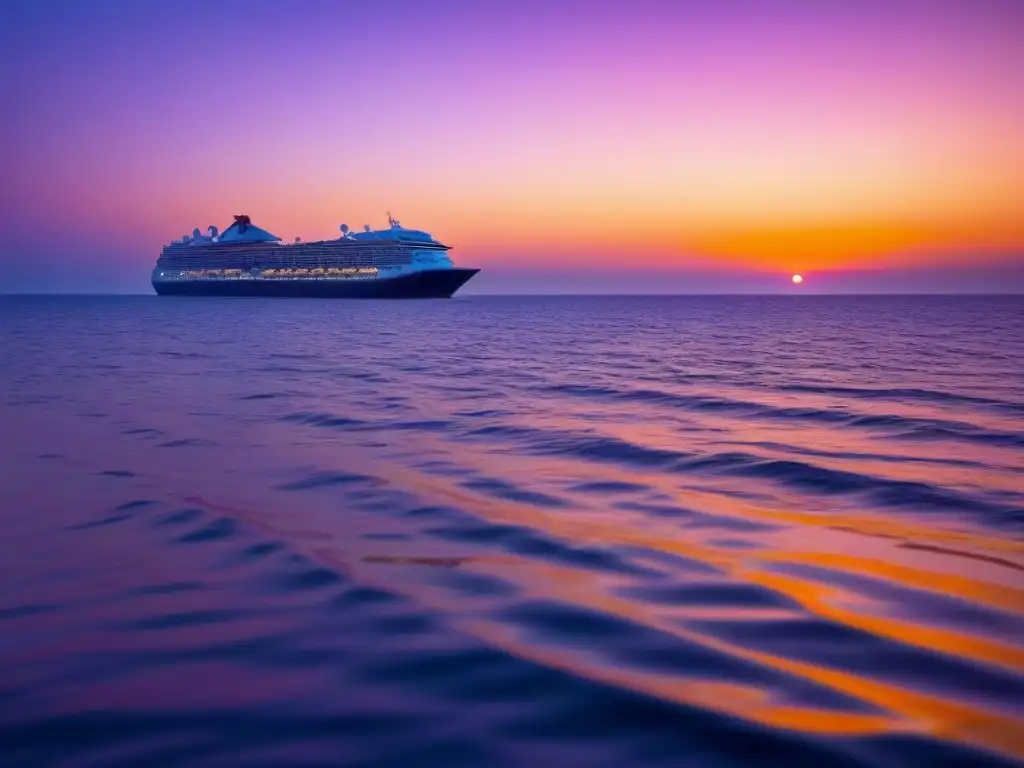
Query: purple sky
{"x": 562, "y": 146}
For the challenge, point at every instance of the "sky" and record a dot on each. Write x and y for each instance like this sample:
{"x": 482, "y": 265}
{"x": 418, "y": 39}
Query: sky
{"x": 562, "y": 146}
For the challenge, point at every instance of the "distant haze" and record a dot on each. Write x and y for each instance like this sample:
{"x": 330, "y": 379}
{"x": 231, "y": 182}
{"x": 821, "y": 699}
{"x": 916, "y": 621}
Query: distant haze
{"x": 650, "y": 146}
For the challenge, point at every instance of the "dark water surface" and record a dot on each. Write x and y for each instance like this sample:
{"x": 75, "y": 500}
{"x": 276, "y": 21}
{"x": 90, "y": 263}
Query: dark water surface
{"x": 489, "y": 532}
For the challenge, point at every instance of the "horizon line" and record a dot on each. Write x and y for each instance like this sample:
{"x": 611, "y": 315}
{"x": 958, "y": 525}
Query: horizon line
{"x": 787, "y": 294}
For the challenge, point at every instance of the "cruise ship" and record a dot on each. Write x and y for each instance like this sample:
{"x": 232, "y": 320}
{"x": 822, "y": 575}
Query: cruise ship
{"x": 245, "y": 260}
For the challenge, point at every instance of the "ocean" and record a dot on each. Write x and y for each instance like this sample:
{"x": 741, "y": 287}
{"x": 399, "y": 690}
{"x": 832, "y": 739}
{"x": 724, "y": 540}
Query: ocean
{"x": 558, "y": 531}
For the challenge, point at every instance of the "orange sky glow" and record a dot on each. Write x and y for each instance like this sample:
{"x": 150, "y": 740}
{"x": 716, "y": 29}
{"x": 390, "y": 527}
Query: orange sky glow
{"x": 767, "y": 138}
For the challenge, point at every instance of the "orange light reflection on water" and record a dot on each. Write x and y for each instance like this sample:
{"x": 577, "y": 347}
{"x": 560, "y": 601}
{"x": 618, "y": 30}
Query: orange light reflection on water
{"x": 899, "y": 709}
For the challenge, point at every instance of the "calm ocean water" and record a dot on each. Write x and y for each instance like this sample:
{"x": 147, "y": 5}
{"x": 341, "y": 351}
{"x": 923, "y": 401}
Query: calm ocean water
{"x": 489, "y": 532}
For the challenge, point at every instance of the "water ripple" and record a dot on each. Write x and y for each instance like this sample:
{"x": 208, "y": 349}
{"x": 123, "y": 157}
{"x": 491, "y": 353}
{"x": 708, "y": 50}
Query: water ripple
{"x": 505, "y": 532}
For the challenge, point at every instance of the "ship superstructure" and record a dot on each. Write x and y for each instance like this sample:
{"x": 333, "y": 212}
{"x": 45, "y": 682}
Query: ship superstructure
{"x": 246, "y": 260}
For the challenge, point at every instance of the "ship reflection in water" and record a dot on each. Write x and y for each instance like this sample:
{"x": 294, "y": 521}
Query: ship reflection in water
{"x": 512, "y": 532}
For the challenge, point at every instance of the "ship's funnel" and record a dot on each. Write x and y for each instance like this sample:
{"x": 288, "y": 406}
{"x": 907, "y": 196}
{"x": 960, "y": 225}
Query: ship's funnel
{"x": 244, "y": 231}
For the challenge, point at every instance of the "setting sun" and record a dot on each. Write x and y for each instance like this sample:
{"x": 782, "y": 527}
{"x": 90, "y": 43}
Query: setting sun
{"x": 797, "y": 279}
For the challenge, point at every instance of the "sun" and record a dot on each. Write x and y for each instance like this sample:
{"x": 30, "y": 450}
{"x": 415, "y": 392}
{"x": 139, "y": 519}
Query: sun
{"x": 797, "y": 279}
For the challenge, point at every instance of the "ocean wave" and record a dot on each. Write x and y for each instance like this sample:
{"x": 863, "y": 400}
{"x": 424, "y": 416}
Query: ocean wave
{"x": 881, "y": 491}
{"x": 572, "y": 532}
{"x": 924, "y": 395}
{"x": 898, "y": 426}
